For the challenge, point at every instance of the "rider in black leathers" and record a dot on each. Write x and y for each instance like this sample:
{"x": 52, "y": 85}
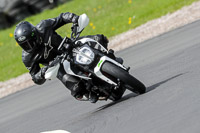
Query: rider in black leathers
{"x": 40, "y": 43}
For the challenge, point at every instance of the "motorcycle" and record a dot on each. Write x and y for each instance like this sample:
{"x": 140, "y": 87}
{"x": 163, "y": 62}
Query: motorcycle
{"x": 94, "y": 65}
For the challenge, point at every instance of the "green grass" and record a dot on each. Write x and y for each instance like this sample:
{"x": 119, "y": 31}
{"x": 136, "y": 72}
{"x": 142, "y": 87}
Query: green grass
{"x": 109, "y": 17}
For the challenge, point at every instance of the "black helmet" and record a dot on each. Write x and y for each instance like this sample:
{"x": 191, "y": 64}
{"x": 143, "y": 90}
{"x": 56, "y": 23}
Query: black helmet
{"x": 26, "y": 36}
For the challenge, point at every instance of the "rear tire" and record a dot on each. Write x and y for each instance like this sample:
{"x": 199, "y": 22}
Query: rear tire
{"x": 135, "y": 85}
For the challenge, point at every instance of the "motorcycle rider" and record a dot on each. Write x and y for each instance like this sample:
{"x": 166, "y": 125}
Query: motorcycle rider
{"x": 40, "y": 43}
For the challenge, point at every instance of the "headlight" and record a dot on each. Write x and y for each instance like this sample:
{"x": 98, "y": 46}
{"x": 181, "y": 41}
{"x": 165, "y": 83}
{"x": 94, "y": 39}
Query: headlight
{"x": 85, "y": 56}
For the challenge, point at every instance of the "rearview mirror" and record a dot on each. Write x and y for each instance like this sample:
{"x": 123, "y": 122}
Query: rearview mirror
{"x": 83, "y": 21}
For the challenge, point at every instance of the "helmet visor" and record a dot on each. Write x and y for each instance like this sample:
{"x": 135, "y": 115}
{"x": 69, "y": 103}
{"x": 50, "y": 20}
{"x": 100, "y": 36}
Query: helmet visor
{"x": 28, "y": 45}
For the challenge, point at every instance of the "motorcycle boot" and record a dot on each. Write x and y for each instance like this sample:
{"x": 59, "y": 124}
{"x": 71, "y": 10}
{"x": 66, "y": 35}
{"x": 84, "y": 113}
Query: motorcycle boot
{"x": 73, "y": 83}
{"x": 93, "y": 97}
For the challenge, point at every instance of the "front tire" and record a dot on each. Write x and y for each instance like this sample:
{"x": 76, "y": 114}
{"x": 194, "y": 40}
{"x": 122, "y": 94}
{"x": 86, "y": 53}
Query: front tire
{"x": 135, "y": 85}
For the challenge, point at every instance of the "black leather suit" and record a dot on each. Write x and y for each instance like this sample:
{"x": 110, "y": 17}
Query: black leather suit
{"x": 47, "y": 50}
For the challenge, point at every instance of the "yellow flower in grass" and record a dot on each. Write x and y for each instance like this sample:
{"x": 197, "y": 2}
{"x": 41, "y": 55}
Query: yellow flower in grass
{"x": 129, "y": 20}
{"x": 129, "y": 1}
{"x": 11, "y": 35}
{"x": 94, "y": 9}
{"x": 93, "y": 27}
{"x": 99, "y": 7}
{"x": 91, "y": 24}
{"x": 113, "y": 28}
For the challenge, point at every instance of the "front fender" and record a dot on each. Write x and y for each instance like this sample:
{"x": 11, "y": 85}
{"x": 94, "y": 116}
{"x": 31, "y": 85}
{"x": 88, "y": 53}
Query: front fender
{"x": 97, "y": 69}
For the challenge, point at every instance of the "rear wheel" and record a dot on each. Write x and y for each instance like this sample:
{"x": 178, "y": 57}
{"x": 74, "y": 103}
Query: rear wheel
{"x": 131, "y": 83}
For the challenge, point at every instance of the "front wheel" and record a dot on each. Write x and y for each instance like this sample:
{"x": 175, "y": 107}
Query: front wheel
{"x": 118, "y": 73}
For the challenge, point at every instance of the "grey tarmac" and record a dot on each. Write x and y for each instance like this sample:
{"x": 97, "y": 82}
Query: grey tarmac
{"x": 168, "y": 65}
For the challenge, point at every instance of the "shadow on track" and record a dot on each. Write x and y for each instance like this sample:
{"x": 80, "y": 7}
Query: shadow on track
{"x": 150, "y": 88}
{"x": 126, "y": 97}
{"x": 131, "y": 95}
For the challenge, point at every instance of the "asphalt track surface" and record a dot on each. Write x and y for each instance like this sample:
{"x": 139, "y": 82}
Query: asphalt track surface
{"x": 168, "y": 65}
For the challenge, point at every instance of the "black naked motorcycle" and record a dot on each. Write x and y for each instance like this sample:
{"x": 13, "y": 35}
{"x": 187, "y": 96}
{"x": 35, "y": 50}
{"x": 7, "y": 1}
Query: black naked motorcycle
{"x": 96, "y": 66}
